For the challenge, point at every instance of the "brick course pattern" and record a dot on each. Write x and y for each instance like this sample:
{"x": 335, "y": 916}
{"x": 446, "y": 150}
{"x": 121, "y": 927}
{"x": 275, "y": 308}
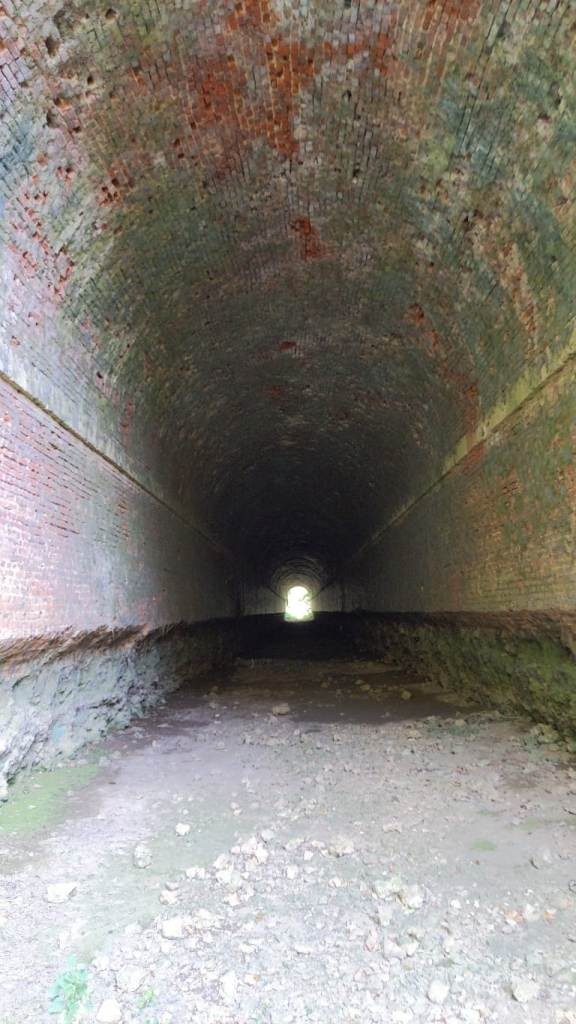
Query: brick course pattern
{"x": 279, "y": 264}
{"x": 83, "y": 547}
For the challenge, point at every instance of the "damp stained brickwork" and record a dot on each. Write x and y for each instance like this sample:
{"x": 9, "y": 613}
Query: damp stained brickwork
{"x": 284, "y": 282}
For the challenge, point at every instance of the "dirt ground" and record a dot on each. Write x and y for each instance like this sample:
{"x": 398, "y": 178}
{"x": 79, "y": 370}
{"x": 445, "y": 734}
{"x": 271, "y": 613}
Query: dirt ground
{"x": 319, "y": 842}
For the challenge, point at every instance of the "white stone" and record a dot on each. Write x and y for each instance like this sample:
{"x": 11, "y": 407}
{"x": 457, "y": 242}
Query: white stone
{"x": 228, "y": 986}
{"x": 341, "y": 847}
{"x": 59, "y": 892}
{"x": 168, "y": 898}
{"x": 386, "y": 887}
{"x": 412, "y": 896}
{"x": 182, "y": 829}
{"x": 141, "y": 856}
{"x": 173, "y": 928}
{"x": 110, "y": 1012}
{"x": 199, "y": 873}
{"x": 438, "y": 991}
{"x": 281, "y": 709}
{"x": 542, "y": 858}
{"x": 524, "y": 989}
{"x": 229, "y": 877}
{"x": 261, "y": 854}
{"x": 3, "y": 788}
{"x": 392, "y": 951}
{"x": 130, "y": 977}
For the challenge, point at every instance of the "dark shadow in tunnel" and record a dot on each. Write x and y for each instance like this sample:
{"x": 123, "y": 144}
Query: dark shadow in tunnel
{"x": 323, "y": 639}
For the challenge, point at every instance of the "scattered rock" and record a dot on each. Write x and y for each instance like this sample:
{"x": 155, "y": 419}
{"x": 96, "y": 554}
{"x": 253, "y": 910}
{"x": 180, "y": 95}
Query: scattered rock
{"x": 392, "y": 950}
{"x": 3, "y": 788}
{"x": 412, "y": 896}
{"x": 59, "y": 892}
{"x": 386, "y": 887}
{"x": 141, "y": 856}
{"x": 168, "y": 897}
{"x": 438, "y": 991}
{"x": 385, "y": 942}
{"x": 342, "y": 846}
{"x": 173, "y": 928}
{"x": 542, "y": 859}
{"x": 199, "y": 873}
{"x": 544, "y": 734}
{"x": 524, "y": 989}
{"x": 110, "y": 1012}
{"x": 228, "y": 986}
{"x": 406, "y": 694}
{"x": 281, "y": 709}
{"x": 130, "y": 978}
{"x": 254, "y": 849}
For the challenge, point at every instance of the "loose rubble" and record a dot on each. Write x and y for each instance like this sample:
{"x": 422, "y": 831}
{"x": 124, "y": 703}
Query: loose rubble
{"x": 141, "y": 856}
{"x": 355, "y": 857}
{"x": 59, "y": 892}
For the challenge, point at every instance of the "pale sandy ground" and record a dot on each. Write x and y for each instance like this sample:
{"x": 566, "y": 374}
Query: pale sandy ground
{"x": 373, "y": 854}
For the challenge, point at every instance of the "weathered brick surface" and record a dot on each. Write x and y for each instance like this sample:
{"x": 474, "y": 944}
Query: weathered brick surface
{"x": 280, "y": 263}
{"x": 497, "y": 532}
{"x": 82, "y": 546}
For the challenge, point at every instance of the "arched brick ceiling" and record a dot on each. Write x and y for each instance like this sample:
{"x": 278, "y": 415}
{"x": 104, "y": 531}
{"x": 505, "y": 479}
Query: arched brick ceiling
{"x": 286, "y": 256}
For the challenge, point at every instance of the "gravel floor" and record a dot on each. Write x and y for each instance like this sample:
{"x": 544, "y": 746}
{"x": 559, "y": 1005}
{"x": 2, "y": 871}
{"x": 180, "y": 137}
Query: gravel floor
{"x": 318, "y": 842}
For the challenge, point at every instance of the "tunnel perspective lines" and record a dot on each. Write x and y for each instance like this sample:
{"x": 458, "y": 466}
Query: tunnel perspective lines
{"x": 306, "y": 274}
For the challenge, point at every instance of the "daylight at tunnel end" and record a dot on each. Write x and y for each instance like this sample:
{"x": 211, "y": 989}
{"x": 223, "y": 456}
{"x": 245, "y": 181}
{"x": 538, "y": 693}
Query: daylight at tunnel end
{"x": 288, "y": 300}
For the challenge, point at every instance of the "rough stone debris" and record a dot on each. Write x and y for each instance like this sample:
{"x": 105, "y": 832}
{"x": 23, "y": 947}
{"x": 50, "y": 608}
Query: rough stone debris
{"x": 444, "y": 921}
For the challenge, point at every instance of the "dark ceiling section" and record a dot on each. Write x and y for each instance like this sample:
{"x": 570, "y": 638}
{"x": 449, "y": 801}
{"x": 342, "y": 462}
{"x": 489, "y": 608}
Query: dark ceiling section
{"x": 297, "y": 249}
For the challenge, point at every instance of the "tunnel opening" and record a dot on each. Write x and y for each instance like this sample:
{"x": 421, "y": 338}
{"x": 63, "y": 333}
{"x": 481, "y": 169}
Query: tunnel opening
{"x": 298, "y": 606}
{"x": 233, "y": 362}
{"x": 288, "y": 303}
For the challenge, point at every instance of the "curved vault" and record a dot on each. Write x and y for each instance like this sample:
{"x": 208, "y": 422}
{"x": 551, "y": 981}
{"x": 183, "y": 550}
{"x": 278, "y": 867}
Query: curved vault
{"x": 283, "y": 260}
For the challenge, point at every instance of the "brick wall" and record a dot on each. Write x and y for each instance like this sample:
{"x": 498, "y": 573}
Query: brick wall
{"x": 83, "y": 546}
{"x": 278, "y": 266}
{"x": 497, "y": 532}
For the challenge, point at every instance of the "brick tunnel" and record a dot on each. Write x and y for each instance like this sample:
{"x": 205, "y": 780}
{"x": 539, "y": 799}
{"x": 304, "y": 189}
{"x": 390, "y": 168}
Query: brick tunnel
{"x": 288, "y": 300}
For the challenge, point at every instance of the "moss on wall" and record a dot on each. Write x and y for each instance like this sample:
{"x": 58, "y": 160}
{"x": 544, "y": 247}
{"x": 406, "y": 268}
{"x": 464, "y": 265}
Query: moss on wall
{"x": 54, "y": 703}
{"x": 517, "y": 663}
